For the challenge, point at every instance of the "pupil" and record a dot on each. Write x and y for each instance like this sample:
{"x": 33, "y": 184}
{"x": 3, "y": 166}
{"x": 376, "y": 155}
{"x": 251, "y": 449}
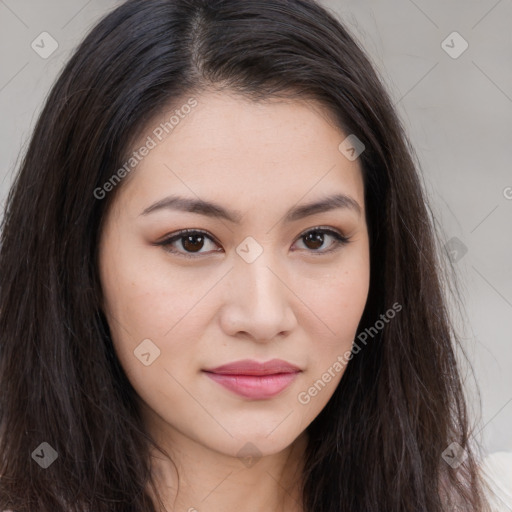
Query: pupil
{"x": 193, "y": 243}
{"x": 315, "y": 239}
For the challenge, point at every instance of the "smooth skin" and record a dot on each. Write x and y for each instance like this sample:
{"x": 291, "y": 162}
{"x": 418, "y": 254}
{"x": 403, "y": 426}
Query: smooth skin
{"x": 300, "y": 300}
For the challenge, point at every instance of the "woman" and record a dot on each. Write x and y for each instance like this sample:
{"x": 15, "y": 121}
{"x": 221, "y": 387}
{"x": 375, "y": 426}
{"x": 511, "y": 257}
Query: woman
{"x": 220, "y": 282}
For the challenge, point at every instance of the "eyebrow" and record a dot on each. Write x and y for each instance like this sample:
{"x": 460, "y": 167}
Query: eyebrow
{"x": 214, "y": 210}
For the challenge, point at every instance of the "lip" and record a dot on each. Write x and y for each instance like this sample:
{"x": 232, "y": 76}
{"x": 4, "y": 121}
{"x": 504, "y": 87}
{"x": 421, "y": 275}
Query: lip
{"x": 251, "y": 367}
{"x": 253, "y": 379}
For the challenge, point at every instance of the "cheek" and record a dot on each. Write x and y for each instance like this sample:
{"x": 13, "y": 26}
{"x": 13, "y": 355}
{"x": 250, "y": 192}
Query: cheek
{"x": 338, "y": 301}
{"x": 343, "y": 301}
{"x": 149, "y": 312}
{"x": 141, "y": 304}
{"x": 338, "y": 298}
{"x": 141, "y": 294}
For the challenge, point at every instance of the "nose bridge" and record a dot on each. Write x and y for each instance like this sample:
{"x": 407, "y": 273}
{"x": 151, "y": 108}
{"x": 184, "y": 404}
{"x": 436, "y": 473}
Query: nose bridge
{"x": 258, "y": 302}
{"x": 257, "y": 283}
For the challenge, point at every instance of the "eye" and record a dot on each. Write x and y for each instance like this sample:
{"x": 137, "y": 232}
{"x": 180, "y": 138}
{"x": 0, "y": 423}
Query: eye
{"x": 315, "y": 238}
{"x": 188, "y": 243}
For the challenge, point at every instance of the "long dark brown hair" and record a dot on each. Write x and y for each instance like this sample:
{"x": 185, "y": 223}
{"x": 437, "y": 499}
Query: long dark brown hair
{"x": 378, "y": 443}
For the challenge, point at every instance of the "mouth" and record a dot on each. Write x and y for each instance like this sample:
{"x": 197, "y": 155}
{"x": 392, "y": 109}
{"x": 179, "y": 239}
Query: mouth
{"x": 254, "y": 380}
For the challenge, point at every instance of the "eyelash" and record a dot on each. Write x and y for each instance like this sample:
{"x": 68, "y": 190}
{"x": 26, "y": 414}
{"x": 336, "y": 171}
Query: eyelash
{"x": 340, "y": 241}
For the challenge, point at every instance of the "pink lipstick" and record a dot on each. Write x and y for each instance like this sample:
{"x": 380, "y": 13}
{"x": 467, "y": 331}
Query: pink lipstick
{"x": 255, "y": 380}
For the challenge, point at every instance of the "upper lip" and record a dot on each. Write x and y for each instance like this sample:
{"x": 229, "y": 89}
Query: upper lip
{"x": 250, "y": 367}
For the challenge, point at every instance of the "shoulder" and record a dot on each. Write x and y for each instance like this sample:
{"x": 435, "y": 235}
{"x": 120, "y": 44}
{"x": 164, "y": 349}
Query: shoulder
{"x": 497, "y": 472}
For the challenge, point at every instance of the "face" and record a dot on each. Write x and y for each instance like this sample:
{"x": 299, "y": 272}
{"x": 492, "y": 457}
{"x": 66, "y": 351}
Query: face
{"x": 274, "y": 266}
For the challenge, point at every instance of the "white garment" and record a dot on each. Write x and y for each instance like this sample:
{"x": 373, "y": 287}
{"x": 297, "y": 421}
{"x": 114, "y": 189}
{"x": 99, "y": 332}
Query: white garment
{"x": 497, "y": 471}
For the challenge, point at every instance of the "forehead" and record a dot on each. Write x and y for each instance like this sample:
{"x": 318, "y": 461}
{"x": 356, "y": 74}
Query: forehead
{"x": 229, "y": 146}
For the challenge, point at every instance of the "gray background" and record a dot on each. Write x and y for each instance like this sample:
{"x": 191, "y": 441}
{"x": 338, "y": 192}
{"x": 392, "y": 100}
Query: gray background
{"x": 457, "y": 111}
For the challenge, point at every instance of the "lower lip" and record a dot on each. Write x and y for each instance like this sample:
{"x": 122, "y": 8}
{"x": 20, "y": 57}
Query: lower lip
{"x": 257, "y": 387}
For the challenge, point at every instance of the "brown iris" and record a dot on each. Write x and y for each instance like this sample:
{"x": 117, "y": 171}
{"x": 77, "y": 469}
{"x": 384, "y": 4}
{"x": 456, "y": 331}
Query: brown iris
{"x": 314, "y": 239}
{"x": 193, "y": 243}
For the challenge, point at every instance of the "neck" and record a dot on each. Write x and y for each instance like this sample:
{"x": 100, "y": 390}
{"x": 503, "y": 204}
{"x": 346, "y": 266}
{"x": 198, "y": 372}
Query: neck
{"x": 214, "y": 482}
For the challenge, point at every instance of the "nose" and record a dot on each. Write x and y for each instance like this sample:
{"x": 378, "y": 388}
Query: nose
{"x": 258, "y": 303}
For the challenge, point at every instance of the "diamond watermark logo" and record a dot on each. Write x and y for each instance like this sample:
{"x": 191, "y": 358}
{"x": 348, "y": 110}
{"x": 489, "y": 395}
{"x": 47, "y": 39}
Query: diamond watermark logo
{"x": 456, "y": 249}
{"x": 351, "y": 147}
{"x": 454, "y": 45}
{"x": 44, "y": 45}
{"x": 44, "y": 455}
{"x": 146, "y": 352}
{"x": 249, "y": 455}
{"x": 454, "y": 455}
{"x": 249, "y": 250}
